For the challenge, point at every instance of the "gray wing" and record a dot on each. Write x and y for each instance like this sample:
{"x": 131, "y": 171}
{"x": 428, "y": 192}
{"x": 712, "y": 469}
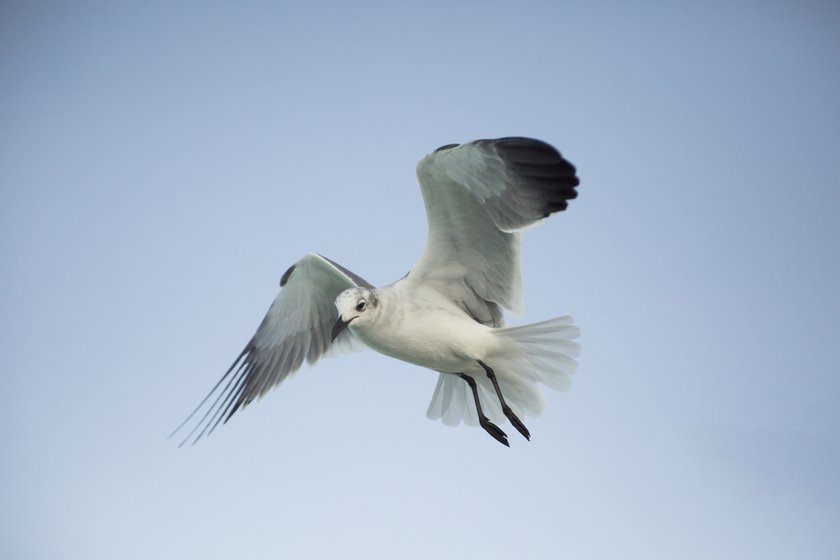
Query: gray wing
{"x": 478, "y": 196}
{"x": 296, "y": 328}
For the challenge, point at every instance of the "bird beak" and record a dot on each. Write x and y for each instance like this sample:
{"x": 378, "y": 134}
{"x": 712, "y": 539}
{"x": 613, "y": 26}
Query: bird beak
{"x": 339, "y": 326}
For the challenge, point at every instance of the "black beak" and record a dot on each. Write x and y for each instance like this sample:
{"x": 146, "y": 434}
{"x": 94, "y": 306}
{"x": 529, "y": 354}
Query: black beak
{"x": 339, "y": 326}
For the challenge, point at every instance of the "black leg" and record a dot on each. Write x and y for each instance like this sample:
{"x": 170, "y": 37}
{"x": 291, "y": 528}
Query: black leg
{"x": 517, "y": 423}
{"x": 485, "y": 422}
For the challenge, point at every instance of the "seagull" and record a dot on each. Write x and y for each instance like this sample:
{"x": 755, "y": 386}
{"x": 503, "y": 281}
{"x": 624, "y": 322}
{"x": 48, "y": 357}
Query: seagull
{"x": 446, "y": 314}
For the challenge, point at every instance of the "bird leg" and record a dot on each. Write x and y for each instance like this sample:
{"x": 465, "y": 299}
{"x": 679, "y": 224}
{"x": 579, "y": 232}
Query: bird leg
{"x": 517, "y": 423}
{"x": 485, "y": 422}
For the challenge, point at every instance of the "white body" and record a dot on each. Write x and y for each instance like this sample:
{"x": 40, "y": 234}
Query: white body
{"x": 415, "y": 324}
{"x": 427, "y": 329}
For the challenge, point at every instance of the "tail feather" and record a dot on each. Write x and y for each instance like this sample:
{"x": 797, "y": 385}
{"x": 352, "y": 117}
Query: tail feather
{"x": 537, "y": 354}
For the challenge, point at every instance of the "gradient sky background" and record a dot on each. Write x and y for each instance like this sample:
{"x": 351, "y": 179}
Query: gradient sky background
{"x": 162, "y": 164}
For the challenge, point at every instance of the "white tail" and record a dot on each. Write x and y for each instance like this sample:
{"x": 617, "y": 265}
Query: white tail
{"x": 539, "y": 353}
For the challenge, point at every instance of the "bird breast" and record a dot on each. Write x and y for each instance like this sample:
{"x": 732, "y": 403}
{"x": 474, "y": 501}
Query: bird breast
{"x": 435, "y": 338}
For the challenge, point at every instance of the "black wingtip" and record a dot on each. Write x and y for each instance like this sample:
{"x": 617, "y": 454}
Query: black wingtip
{"x": 287, "y": 275}
{"x": 236, "y": 366}
{"x": 547, "y": 179}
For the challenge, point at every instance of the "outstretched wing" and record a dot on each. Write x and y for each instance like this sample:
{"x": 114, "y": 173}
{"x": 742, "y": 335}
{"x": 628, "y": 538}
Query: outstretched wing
{"x": 478, "y": 196}
{"x": 296, "y": 328}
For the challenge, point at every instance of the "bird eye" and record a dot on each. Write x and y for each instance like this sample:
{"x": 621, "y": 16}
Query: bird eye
{"x": 361, "y": 305}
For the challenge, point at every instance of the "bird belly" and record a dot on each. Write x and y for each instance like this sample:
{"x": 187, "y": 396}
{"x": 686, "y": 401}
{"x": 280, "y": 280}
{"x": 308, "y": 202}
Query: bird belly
{"x": 447, "y": 343}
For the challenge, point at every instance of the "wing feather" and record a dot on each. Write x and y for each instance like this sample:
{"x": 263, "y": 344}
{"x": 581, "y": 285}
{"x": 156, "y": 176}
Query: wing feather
{"x": 295, "y": 329}
{"x": 478, "y": 196}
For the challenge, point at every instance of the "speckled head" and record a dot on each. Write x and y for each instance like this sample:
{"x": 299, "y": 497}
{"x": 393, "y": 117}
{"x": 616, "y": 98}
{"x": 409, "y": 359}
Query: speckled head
{"x": 355, "y": 304}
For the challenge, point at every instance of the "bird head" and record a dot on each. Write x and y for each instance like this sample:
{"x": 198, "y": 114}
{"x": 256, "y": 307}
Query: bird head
{"x": 356, "y": 305}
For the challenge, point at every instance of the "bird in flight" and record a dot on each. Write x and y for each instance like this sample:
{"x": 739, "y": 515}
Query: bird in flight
{"x": 446, "y": 313}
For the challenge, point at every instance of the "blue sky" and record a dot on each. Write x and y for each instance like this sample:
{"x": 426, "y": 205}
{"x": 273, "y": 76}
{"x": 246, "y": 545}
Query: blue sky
{"x": 161, "y": 166}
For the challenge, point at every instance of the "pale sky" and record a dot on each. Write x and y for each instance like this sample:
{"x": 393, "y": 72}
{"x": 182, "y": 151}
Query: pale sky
{"x": 162, "y": 165}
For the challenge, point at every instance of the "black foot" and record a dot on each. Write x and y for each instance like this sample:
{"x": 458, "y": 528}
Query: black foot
{"x": 494, "y": 431}
{"x": 517, "y": 423}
